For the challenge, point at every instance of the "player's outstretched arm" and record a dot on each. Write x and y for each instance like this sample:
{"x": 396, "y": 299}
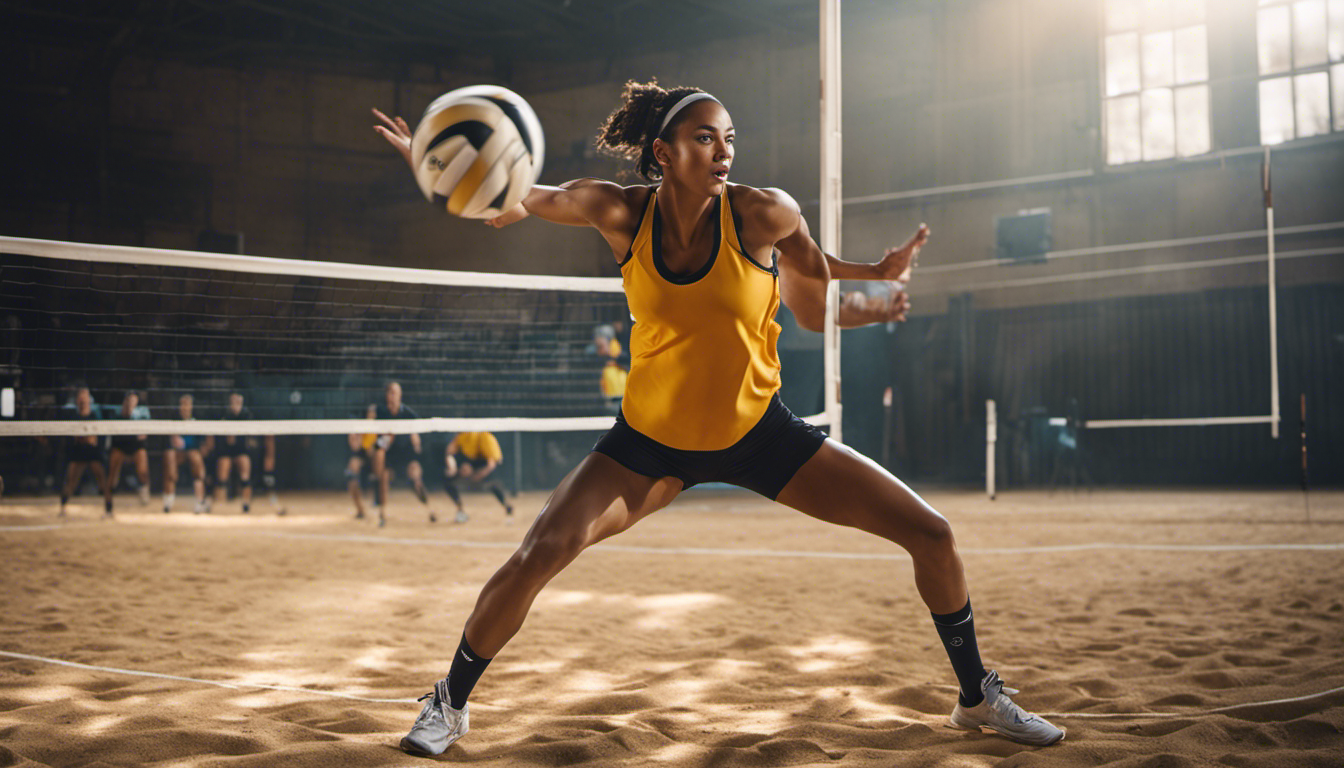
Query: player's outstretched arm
{"x": 805, "y": 271}
{"x": 580, "y": 203}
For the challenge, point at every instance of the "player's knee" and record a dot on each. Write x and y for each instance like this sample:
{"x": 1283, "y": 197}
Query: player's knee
{"x": 552, "y": 551}
{"x": 935, "y": 537}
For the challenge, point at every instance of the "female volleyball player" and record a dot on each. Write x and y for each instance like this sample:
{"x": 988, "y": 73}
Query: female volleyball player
{"x": 193, "y": 449}
{"x": 83, "y": 451}
{"x": 129, "y": 447}
{"x": 703, "y": 282}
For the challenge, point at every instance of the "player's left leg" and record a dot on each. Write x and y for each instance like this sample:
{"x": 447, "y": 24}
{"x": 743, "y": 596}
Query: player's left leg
{"x": 245, "y": 480}
{"x": 498, "y": 491}
{"x": 115, "y": 459}
{"x": 841, "y": 486}
{"x": 416, "y": 474}
{"x": 105, "y": 481}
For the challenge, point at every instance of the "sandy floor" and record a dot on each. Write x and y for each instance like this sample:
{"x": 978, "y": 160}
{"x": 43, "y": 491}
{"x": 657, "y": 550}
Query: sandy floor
{"x": 724, "y": 631}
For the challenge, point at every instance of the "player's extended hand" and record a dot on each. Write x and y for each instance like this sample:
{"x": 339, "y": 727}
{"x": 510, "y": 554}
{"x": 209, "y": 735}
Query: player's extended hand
{"x": 397, "y": 133}
{"x": 897, "y": 263}
{"x": 858, "y": 308}
{"x": 516, "y": 213}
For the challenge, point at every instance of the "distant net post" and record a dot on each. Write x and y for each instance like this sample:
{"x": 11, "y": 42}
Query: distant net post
{"x": 991, "y": 439}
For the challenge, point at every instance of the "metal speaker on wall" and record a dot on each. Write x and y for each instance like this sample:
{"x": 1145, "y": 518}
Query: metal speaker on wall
{"x": 1024, "y": 237}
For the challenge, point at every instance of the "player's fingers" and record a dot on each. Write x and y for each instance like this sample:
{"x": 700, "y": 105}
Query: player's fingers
{"x": 384, "y": 118}
{"x": 405, "y": 129}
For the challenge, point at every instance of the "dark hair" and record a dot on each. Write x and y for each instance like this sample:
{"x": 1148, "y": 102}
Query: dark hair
{"x": 630, "y": 130}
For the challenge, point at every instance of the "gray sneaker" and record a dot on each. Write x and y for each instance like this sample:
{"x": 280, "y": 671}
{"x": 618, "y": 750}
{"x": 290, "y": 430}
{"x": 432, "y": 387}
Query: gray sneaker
{"x": 438, "y": 726}
{"x": 998, "y": 713}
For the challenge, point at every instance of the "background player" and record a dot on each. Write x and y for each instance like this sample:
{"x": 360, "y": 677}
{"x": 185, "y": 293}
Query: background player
{"x": 473, "y": 456}
{"x": 393, "y": 451}
{"x": 361, "y": 458}
{"x": 192, "y": 448}
{"x": 129, "y": 447}
{"x": 83, "y": 451}
{"x": 232, "y": 449}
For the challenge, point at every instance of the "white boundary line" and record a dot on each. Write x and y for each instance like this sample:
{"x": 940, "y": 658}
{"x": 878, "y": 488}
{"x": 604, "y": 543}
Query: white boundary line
{"x": 1216, "y": 710}
{"x": 352, "y": 697}
{"x": 216, "y": 683}
{"x": 779, "y": 553}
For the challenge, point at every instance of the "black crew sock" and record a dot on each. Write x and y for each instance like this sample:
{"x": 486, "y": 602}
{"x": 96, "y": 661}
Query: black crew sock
{"x": 499, "y": 494}
{"x": 467, "y": 668}
{"x": 420, "y": 494}
{"x": 450, "y": 485}
{"x": 957, "y": 631}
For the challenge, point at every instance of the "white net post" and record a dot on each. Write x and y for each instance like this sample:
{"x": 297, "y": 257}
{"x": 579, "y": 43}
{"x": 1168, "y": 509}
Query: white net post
{"x": 991, "y": 439}
{"x": 831, "y": 210}
{"x": 1273, "y": 303}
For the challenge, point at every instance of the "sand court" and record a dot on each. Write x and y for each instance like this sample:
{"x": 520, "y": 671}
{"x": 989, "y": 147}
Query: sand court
{"x": 1160, "y": 628}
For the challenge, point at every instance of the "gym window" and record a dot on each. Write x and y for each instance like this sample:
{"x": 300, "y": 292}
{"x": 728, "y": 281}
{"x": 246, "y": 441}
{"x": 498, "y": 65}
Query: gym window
{"x": 1155, "y": 72}
{"x": 1299, "y": 45}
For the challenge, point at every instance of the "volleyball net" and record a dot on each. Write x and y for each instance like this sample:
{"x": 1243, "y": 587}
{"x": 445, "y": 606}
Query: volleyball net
{"x": 309, "y": 345}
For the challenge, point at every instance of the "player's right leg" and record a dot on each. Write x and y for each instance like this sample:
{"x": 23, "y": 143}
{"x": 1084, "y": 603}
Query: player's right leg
{"x": 197, "y": 462}
{"x": 352, "y": 470}
{"x": 74, "y": 472}
{"x": 600, "y": 498}
{"x": 382, "y": 475}
{"x": 222, "y": 468}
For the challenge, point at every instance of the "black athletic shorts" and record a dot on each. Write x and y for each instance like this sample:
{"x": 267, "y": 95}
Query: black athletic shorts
{"x": 362, "y": 455}
{"x": 82, "y": 451}
{"x": 764, "y": 460}
{"x": 224, "y": 450}
{"x": 401, "y": 453}
{"x": 127, "y": 444}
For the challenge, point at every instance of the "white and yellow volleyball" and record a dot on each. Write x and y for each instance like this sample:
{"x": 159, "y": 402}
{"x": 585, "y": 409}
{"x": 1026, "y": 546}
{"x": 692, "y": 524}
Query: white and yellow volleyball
{"x": 477, "y": 151}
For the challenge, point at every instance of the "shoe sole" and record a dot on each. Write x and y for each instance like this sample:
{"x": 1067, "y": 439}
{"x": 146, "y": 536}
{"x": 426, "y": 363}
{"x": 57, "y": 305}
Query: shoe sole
{"x": 411, "y": 748}
{"x": 980, "y": 729}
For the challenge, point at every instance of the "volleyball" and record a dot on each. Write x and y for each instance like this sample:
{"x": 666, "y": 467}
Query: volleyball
{"x": 477, "y": 151}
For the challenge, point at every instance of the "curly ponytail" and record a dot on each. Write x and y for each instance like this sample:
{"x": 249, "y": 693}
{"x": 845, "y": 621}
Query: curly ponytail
{"x": 630, "y": 130}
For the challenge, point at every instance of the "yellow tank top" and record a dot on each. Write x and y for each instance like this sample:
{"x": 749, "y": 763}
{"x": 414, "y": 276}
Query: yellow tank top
{"x": 703, "y": 364}
{"x": 366, "y": 442}
{"x": 479, "y": 445}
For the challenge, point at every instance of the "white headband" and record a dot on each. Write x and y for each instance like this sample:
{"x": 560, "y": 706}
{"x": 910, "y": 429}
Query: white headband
{"x": 680, "y": 105}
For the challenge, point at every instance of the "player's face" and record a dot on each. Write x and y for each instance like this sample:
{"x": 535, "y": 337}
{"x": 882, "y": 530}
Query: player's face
{"x": 184, "y": 407}
{"x": 132, "y": 400}
{"x": 83, "y": 401}
{"x": 236, "y": 403}
{"x": 394, "y": 396}
{"x": 702, "y": 151}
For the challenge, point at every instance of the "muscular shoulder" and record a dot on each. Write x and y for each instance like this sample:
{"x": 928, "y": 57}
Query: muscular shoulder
{"x": 768, "y": 215}
{"x": 608, "y": 204}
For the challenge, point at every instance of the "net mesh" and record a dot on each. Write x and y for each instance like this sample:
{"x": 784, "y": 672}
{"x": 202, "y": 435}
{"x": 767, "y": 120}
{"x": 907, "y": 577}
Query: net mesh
{"x": 300, "y": 346}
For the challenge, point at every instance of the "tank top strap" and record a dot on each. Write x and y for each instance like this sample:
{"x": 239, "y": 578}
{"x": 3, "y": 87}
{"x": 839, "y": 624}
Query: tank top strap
{"x": 643, "y": 235}
{"x": 728, "y": 224}
{"x": 733, "y": 237}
